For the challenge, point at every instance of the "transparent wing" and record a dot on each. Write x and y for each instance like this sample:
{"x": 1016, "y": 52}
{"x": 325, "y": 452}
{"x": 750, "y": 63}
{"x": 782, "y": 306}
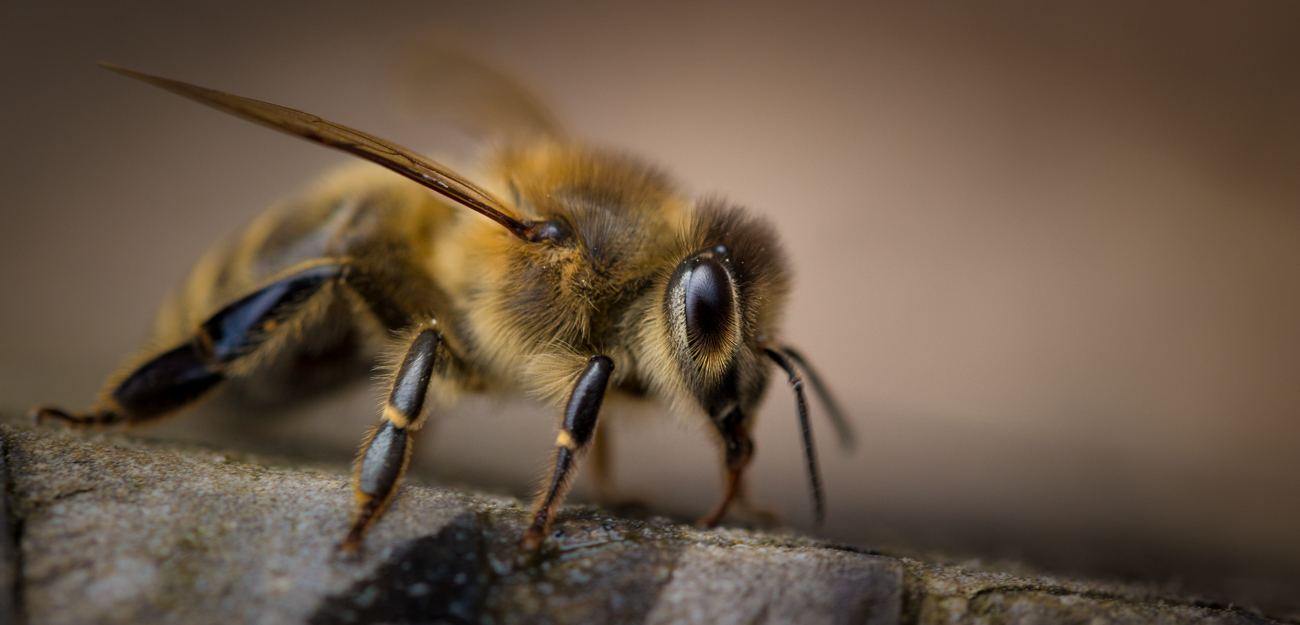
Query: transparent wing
{"x": 392, "y": 156}
{"x": 461, "y": 91}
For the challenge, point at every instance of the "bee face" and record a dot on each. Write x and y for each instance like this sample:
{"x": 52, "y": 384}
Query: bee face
{"x": 722, "y": 302}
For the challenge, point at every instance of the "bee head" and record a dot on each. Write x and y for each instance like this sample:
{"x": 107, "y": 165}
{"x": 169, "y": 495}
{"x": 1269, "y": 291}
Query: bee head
{"x": 720, "y": 304}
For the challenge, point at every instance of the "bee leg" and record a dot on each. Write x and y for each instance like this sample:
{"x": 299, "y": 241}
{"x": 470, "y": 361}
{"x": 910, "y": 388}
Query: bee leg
{"x": 183, "y": 374}
{"x": 163, "y": 384}
{"x": 738, "y": 450}
{"x": 579, "y": 425}
{"x": 387, "y": 450}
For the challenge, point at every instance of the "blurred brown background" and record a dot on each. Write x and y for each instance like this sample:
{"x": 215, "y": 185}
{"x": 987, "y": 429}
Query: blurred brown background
{"x": 1049, "y": 254}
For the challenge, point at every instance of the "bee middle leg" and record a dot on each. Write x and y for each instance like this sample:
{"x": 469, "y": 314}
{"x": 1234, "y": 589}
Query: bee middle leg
{"x": 576, "y": 432}
{"x": 387, "y": 450}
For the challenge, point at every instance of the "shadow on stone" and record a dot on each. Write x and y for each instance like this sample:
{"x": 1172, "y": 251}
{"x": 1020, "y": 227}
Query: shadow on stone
{"x": 441, "y": 578}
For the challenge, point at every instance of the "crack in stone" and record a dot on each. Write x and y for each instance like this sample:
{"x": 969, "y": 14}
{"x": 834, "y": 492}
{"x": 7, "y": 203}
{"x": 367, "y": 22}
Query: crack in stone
{"x": 979, "y": 601}
{"x": 1158, "y": 603}
{"x": 68, "y": 495}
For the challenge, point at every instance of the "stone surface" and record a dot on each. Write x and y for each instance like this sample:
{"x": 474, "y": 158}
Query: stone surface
{"x": 118, "y": 531}
{"x": 948, "y": 594}
{"x": 115, "y": 530}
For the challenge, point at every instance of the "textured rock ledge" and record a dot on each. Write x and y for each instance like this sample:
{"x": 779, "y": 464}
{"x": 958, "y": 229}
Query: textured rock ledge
{"x": 114, "y": 530}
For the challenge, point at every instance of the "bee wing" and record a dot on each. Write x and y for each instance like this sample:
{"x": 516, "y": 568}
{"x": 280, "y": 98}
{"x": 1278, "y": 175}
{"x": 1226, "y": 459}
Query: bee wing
{"x": 390, "y": 155}
{"x": 459, "y": 90}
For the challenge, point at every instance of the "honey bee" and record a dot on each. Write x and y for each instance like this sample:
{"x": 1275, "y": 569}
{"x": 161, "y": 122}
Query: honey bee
{"x": 574, "y": 272}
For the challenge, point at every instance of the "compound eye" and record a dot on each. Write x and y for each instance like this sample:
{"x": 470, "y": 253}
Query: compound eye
{"x": 709, "y": 304}
{"x": 704, "y": 291}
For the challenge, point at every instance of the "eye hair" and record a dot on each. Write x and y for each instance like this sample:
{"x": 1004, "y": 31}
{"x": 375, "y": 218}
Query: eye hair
{"x": 757, "y": 256}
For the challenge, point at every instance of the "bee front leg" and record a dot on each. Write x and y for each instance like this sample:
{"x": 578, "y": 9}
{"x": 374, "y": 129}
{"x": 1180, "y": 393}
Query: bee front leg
{"x": 387, "y": 450}
{"x": 738, "y": 450}
{"x": 575, "y": 436}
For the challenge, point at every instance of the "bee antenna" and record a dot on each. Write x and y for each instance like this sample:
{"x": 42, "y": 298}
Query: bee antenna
{"x": 386, "y": 154}
{"x": 810, "y": 454}
{"x": 843, "y": 428}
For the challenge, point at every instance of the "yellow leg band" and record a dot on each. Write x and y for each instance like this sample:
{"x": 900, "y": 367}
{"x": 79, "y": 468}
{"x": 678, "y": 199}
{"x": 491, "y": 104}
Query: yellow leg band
{"x": 397, "y": 418}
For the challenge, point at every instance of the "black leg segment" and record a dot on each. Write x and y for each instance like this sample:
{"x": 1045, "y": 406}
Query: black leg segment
{"x": 386, "y": 454}
{"x": 170, "y": 381}
{"x": 411, "y": 384}
{"x": 381, "y": 465}
{"x": 166, "y": 383}
{"x": 580, "y": 416}
{"x": 239, "y": 327}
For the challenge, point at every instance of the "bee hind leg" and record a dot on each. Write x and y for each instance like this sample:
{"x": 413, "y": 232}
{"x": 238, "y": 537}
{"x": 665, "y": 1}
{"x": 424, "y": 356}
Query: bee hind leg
{"x": 163, "y": 384}
{"x": 387, "y": 450}
{"x": 181, "y": 375}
